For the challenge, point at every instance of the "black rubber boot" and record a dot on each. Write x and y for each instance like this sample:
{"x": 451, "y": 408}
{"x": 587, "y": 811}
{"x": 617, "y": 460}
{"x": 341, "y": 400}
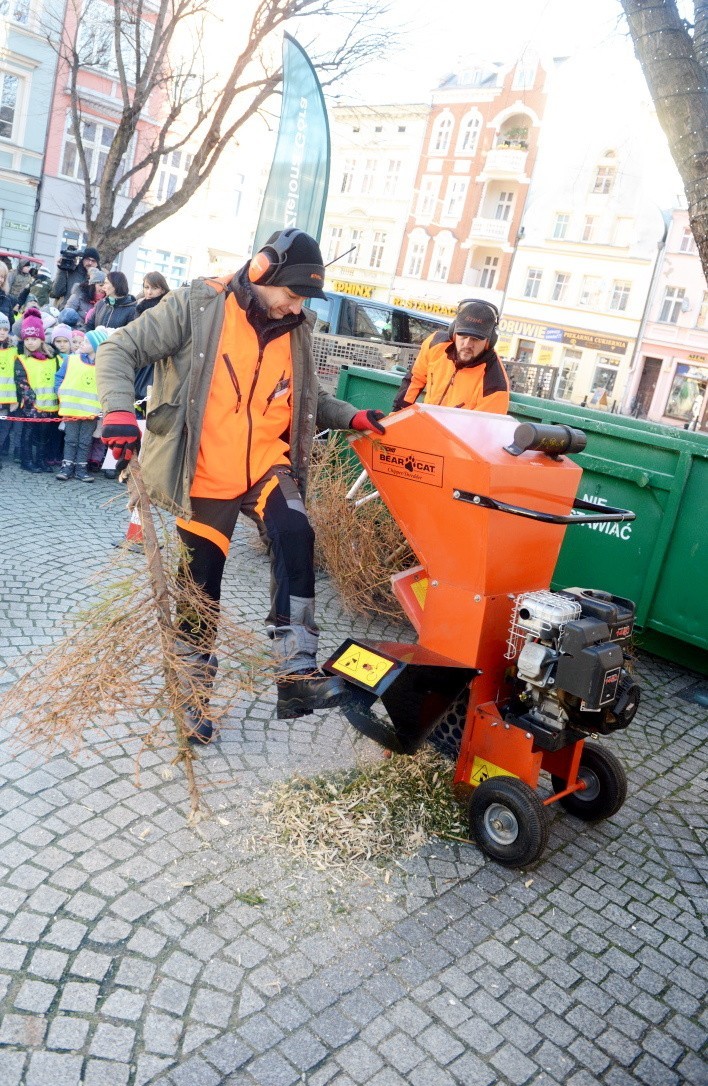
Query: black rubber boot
{"x": 200, "y": 728}
{"x": 301, "y": 692}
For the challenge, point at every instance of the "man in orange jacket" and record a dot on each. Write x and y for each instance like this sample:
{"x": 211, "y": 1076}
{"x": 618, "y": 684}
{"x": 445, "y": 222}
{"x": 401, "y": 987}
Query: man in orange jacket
{"x": 233, "y": 412}
{"x": 460, "y": 368}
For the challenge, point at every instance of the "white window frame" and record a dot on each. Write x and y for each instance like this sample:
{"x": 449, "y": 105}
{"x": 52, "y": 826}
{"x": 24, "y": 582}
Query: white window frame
{"x": 443, "y": 252}
{"x": 455, "y": 196}
{"x": 605, "y": 178}
{"x": 619, "y": 295}
{"x": 7, "y": 73}
{"x": 171, "y": 174}
{"x": 378, "y": 247}
{"x": 428, "y": 195}
{"x": 533, "y": 282}
{"x": 368, "y": 177}
{"x": 505, "y": 204}
{"x": 16, "y": 11}
{"x": 356, "y": 238}
{"x": 441, "y": 135}
{"x": 393, "y": 173}
{"x": 672, "y": 305}
{"x": 525, "y": 74}
{"x": 590, "y": 292}
{"x": 688, "y": 242}
{"x": 334, "y": 242}
{"x": 96, "y": 147}
{"x": 348, "y": 171}
{"x": 589, "y": 226}
{"x": 415, "y": 257}
{"x": 489, "y": 271}
{"x": 174, "y": 266}
{"x": 468, "y": 138}
{"x": 560, "y": 287}
{"x": 560, "y": 225}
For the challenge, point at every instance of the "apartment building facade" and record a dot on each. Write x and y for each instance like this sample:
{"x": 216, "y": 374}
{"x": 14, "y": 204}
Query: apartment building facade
{"x": 669, "y": 381}
{"x": 27, "y": 71}
{"x": 375, "y": 156}
{"x": 471, "y": 186}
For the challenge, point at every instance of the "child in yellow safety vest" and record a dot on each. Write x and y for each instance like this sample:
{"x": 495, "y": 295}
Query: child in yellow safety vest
{"x": 35, "y": 370}
{"x": 8, "y": 392}
{"x": 80, "y": 406}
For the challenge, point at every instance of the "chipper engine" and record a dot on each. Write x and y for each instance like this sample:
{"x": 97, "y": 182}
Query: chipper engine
{"x": 531, "y": 674}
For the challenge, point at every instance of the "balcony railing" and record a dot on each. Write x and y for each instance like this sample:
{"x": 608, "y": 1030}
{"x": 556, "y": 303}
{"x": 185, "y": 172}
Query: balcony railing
{"x": 509, "y": 161}
{"x": 489, "y": 229}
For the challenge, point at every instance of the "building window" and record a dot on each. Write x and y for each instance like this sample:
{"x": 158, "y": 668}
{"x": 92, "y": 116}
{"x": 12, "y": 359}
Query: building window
{"x": 590, "y": 292}
{"x": 525, "y": 74}
{"x": 377, "y": 249}
{"x": 416, "y": 256}
{"x": 605, "y": 375}
{"x": 604, "y": 180}
{"x": 672, "y": 305}
{"x": 589, "y": 227}
{"x": 355, "y": 237}
{"x": 442, "y": 258}
{"x": 9, "y": 95}
{"x": 171, "y": 174}
{"x": 489, "y": 272}
{"x": 469, "y": 135}
{"x": 702, "y": 321}
{"x": 560, "y": 226}
{"x": 620, "y": 295}
{"x": 687, "y": 243}
{"x": 238, "y": 181}
{"x": 504, "y": 204}
{"x": 96, "y": 140}
{"x": 560, "y": 287}
{"x": 622, "y": 233}
{"x": 77, "y": 239}
{"x": 334, "y": 243}
{"x": 688, "y": 390}
{"x": 17, "y": 10}
{"x": 173, "y": 266}
{"x": 427, "y": 197}
{"x": 393, "y": 172}
{"x": 367, "y": 178}
{"x": 533, "y": 282}
{"x": 440, "y": 139}
{"x": 347, "y": 175}
{"x": 455, "y": 198}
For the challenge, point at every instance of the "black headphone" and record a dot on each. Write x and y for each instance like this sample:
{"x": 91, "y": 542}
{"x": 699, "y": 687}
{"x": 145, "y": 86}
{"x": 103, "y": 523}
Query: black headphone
{"x": 479, "y": 301}
{"x": 268, "y": 261}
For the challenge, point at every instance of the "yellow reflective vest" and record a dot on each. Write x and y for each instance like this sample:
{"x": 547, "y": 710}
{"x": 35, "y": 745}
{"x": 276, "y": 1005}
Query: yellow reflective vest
{"x": 78, "y": 396}
{"x": 40, "y": 374}
{"x": 8, "y": 391}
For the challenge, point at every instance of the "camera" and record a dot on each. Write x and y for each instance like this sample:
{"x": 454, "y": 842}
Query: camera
{"x": 69, "y": 258}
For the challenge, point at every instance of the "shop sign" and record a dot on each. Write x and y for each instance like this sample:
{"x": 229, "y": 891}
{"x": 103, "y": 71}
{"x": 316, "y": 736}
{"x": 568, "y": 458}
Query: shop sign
{"x": 10, "y": 225}
{"x": 423, "y": 306}
{"x": 357, "y": 290}
{"x": 545, "y": 356}
{"x": 573, "y": 337}
{"x": 697, "y": 358}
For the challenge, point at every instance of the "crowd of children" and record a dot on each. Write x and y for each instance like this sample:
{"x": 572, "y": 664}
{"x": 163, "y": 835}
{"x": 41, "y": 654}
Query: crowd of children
{"x": 50, "y": 414}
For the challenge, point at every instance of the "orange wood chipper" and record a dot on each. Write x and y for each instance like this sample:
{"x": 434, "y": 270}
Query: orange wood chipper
{"x": 484, "y": 503}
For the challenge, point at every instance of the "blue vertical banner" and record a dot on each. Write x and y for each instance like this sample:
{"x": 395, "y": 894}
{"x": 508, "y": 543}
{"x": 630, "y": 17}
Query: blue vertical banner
{"x": 296, "y": 192}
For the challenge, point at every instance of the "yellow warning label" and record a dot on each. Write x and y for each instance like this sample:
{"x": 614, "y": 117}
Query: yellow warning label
{"x": 363, "y": 665}
{"x": 482, "y": 771}
{"x": 420, "y": 591}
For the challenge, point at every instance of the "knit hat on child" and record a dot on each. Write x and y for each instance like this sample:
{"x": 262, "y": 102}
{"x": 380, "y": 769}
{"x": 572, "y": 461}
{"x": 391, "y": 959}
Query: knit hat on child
{"x": 69, "y": 316}
{"x": 4, "y": 322}
{"x": 32, "y": 324}
{"x": 97, "y": 337}
{"x": 61, "y": 331}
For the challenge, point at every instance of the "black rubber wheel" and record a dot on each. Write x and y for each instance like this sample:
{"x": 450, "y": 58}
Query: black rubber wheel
{"x": 508, "y": 821}
{"x": 605, "y": 785}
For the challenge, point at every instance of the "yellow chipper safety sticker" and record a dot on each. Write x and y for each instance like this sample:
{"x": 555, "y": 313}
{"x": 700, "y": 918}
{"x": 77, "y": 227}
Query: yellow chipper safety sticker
{"x": 363, "y": 665}
{"x": 482, "y": 771}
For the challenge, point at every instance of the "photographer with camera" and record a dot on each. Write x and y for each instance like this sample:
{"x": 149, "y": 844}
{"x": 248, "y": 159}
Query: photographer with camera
{"x": 74, "y": 266}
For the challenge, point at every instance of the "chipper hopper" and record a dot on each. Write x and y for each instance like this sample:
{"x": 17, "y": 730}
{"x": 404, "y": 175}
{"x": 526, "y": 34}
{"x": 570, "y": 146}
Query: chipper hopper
{"x": 484, "y": 503}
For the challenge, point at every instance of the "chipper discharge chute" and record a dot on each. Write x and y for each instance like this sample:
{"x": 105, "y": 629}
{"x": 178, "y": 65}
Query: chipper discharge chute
{"x": 484, "y": 504}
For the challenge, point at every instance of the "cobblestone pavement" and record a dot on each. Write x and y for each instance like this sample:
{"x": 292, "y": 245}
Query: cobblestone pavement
{"x": 129, "y": 952}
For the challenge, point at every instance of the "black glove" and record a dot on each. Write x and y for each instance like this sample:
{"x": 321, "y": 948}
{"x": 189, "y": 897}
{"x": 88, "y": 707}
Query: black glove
{"x": 368, "y": 420}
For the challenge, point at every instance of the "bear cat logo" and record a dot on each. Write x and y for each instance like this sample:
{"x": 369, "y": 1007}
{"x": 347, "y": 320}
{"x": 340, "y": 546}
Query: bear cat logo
{"x": 409, "y": 464}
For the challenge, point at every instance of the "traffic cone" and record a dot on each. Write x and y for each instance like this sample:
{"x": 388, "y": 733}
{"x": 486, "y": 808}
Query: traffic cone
{"x": 134, "y": 535}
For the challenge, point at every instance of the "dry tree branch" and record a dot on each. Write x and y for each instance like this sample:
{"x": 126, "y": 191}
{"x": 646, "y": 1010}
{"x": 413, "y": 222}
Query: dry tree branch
{"x": 118, "y": 664}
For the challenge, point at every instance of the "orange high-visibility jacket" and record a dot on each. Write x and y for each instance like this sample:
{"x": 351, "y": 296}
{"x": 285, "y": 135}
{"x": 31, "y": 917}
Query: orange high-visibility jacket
{"x": 481, "y": 386}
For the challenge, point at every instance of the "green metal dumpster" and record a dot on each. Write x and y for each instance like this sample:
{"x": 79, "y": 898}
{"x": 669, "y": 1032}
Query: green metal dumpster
{"x": 661, "y": 559}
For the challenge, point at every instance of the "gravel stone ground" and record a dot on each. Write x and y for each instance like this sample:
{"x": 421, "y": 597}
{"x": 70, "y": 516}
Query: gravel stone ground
{"x": 130, "y": 955}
